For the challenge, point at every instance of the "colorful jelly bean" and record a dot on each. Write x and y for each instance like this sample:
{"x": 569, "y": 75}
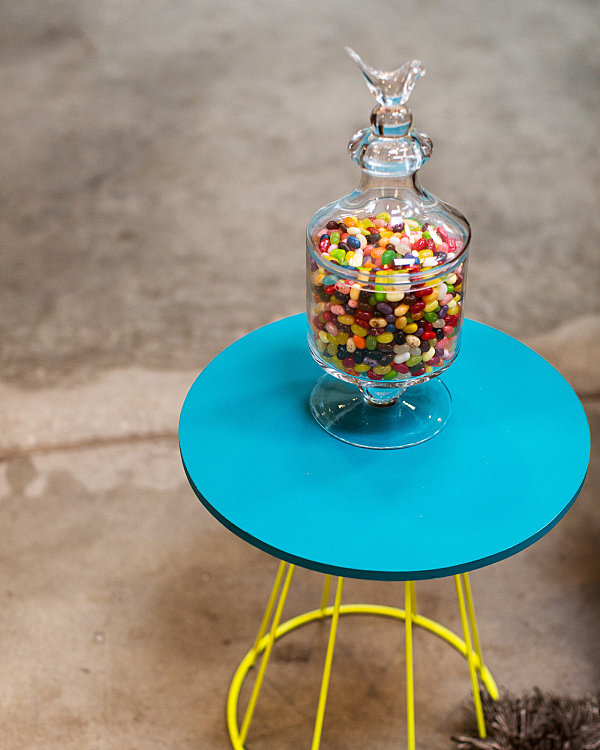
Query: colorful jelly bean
{"x": 362, "y": 323}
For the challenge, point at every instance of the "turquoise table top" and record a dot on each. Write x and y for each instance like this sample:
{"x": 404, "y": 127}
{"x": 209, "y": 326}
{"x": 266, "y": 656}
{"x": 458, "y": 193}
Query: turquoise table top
{"x": 504, "y": 470}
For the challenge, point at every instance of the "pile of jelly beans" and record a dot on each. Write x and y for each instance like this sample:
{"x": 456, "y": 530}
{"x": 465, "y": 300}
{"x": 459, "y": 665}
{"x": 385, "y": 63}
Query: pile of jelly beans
{"x": 390, "y": 317}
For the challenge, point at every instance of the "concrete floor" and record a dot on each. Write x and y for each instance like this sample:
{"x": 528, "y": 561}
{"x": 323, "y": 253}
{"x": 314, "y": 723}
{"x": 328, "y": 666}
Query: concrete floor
{"x": 133, "y": 132}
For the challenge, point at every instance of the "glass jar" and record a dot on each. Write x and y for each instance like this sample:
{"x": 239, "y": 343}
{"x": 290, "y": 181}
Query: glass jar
{"x": 386, "y": 269}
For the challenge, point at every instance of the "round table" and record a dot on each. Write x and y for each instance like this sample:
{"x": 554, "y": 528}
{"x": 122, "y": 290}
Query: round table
{"x": 510, "y": 461}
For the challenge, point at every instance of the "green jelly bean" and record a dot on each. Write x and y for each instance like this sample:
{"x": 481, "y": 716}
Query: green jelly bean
{"x": 373, "y": 300}
{"x": 387, "y": 258}
{"x": 338, "y": 254}
{"x": 334, "y": 237}
{"x": 391, "y": 375}
{"x": 430, "y": 317}
{"x": 380, "y": 292}
{"x": 413, "y": 361}
{"x": 450, "y": 287}
{"x": 371, "y": 342}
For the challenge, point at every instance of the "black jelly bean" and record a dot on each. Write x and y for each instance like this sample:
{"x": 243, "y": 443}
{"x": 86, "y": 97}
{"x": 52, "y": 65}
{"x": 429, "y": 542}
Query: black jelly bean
{"x": 343, "y": 328}
{"x": 365, "y": 307}
{"x": 410, "y": 299}
{"x": 373, "y": 238}
{"x": 358, "y": 356}
{"x": 342, "y": 352}
{"x": 395, "y": 228}
{"x": 425, "y": 346}
{"x": 386, "y": 359}
{"x": 400, "y": 337}
{"x": 385, "y": 347}
{"x": 439, "y": 334}
{"x": 332, "y": 225}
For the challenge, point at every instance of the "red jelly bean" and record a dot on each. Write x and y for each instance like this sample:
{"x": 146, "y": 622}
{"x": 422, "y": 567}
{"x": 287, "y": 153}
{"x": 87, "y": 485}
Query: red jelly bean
{"x": 363, "y": 315}
{"x": 420, "y": 244}
{"x": 451, "y": 243}
{"x": 427, "y": 326}
{"x": 417, "y": 307}
{"x": 427, "y": 335}
{"x": 435, "y": 361}
{"x": 448, "y": 329}
{"x": 401, "y": 367}
{"x": 348, "y": 362}
{"x": 372, "y": 376}
{"x": 324, "y": 244}
{"x": 330, "y": 289}
{"x": 327, "y": 316}
{"x": 451, "y": 320}
{"x": 317, "y": 323}
{"x": 420, "y": 371}
{"x": 423, "y": 292}
{"x": 376, "y": 331}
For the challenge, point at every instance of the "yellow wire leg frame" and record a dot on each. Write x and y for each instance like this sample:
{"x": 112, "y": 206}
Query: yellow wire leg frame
{"x": 271, "y": 629}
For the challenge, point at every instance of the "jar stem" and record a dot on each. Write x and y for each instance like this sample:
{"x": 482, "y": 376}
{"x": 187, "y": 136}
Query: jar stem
{"x": 381, "y": 396}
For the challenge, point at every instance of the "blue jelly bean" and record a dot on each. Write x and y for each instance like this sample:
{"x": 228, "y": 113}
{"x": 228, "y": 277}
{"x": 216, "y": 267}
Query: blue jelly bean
{"x": 385, "y": 308}
{"x": 353, "y": 242}
{"x": 391, "y": 328}
{"x": 329, "y": 280}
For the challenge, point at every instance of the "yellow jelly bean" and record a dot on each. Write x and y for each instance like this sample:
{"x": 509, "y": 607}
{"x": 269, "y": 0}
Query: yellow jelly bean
{"x": 427, "y": 253}
{"x": 337, "y": 363}
{"x": 361, "y": 368}
{"x": 318, "y": 278}
{"x": 320, "y": 308}
{"x": 365, "y": 223}
{"x": 320, "y": 346}
{"x": 430, "y": 306}
{"x": 332, "y": 349}
{"x": 349, "y": 254}
{"x": 451, "y": 279}
{"x": 346, "y": 320}
{"x": 428, "y": 368}
{"x": 323, "y": 336}
{"x": 332, "y": 340}
{"x": 401, "y": 322}
{"x": 342, "y": 338}
{"x": 401, "y": 310}
{"x": 359, "y": 330}
{"x": 384, "y": 216}
{"x": 382, "y": 369}
{"x": 410, "y": 328}
{"x": 428, "y": 354}
{"x": 355, "y": 291}
{"x": 385, "y": 338}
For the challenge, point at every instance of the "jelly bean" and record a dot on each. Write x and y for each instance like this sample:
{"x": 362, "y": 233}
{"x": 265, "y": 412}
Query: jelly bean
{"x": 399, "y": 358}
{"x": 332, "y": 349}
{"x": 347, "y": 320}
{"x": 419, "y": 371}
{"x": 412, "y": 361}
{"x": 379, "y": 293}
{"x": 342, "y": 338}
{"x": 430, "y": 306}
{"x": 359, "y": 341}
{"x": 385, "y": 338}
{"x": 417, "y": 307}
{"x": 358, "y": 330}
{"x": 388, "y": 257}
{"x": 410, "y": 328}
{"x": 394, "y": 296}
{"x": 350, "y": 344}
{"x": 353, "y": 242}
{"x": 332, "y": 328}
{"x": 371, "y": 342}
{"x": 334, "y": 237}
{"x": 401, "y": 322}
{"x": 428, "y": 355}
{"x": 385, "y": 308}
{"x": 337, "y": 310}
{"x": 427, "y": 335}
{"x": 382, "y": 370}
{"x": 377, "y": 322}
{"x": 430, "y": 316}
{"x": 361, "y": 368}
{"x": 412, "y": 341}
{"x": 324, "y": 243}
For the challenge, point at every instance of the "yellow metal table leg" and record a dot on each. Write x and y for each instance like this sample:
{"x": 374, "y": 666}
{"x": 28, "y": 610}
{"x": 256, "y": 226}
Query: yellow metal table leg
{"x": 327, "y": 668}
{"x": 265, "y": 659}
{"x": 470, "y": 658}
{"x": 409, "y": 600}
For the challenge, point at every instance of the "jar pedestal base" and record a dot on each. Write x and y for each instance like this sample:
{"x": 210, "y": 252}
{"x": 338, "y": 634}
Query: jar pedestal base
{"x": 419, "y": 413}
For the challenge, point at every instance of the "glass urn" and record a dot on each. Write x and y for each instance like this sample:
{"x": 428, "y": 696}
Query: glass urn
{"x": 386, "y": 269}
